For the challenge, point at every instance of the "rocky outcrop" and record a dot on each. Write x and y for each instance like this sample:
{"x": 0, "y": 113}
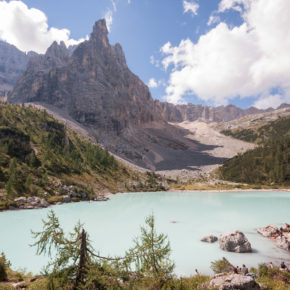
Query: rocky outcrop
{"x": 268, "y": 231}
{"x": 234, "y": 281}
{"x": 12, "y": 64}
{"x": 235, "y": 242}
{"x": 281, "y": 236}
{"x": 30, "y": 202}
{"x": 209, "y": 239}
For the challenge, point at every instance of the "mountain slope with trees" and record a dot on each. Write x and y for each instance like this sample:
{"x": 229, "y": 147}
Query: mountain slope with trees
{"x": 40, "y": 157}
{"x": 267, "y": 164}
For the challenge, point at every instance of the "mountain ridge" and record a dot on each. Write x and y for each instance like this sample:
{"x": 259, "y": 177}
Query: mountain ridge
{"x": 94, "y": 86}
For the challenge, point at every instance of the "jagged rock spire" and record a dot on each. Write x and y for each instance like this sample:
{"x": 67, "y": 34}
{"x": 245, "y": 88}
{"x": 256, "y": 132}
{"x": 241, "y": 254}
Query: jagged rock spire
{"x": 100, "y": 32}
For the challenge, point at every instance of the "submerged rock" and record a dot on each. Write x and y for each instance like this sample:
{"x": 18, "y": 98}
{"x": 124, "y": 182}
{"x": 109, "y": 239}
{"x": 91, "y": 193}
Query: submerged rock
{"x": 235, "y": 242}
{"x": 209, "y": 239}
{"x": 234, "y": 281}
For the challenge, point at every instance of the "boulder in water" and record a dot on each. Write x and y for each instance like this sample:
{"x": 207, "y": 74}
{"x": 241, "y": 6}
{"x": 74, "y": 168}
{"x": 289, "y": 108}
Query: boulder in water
{"x": 209, "y": 239}
{"x": 235, "y": 242}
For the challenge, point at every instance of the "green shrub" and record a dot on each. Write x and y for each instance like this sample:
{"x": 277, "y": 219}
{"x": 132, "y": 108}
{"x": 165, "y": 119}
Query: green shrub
{"x": 4, "y": 264}
{"x": 221, "y": 266}
{"x": 54, "y": 199}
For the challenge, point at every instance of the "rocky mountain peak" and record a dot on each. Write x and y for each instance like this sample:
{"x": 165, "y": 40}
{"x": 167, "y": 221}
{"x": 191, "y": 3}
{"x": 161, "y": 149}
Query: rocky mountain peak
{"x": 57, "y": 51}
{"x": 12, "y": 64}
{"x": 100, "y": 33}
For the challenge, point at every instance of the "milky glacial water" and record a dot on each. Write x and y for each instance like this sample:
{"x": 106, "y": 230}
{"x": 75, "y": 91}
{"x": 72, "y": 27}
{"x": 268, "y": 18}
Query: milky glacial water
{"x": 184, "y": 217}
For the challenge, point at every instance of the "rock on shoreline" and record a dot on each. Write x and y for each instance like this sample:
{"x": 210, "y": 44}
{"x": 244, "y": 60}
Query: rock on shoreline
{"x": 281, "y": 236}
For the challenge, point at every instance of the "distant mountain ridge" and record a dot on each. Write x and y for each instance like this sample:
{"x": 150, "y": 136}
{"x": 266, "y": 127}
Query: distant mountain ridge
{"x": 13, "y": 63}
{"x": 192, "y": 112}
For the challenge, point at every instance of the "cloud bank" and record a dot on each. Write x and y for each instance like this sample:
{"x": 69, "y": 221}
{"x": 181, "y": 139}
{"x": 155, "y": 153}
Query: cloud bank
{"x": 27, "y": 28}
{"x": 250, "y": 60}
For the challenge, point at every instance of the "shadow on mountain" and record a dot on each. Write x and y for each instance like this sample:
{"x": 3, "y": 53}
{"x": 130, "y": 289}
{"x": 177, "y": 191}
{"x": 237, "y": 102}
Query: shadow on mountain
{"x": 177, "y": 152}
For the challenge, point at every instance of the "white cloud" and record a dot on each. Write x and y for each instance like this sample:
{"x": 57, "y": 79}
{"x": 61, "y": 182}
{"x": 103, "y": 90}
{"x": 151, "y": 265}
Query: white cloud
{"x": 154, "y": 61}
{"x": 238, "y": 5}
{"x": 109, "y": 19}
{"x": 249, "y": 60}
{"x": 152, "y": 83}
{"x": 269, "y": 101}
{"x": 213, "y": 19}
{"x": 190, "y": 7}
{"x": 27, "y": 28}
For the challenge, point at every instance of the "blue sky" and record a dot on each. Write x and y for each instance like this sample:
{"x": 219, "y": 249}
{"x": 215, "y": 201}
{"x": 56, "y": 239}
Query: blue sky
{"x": 226, "y": 62}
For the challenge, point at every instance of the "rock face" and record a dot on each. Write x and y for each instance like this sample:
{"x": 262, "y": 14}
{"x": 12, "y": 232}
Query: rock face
{"x": 234, "y": 281}
{"x": 94, "y": 87}
{"x": 209, "y": 239}
{"x": 12, "y": 64}
{"x": 235, "y": 242}
{"x": 191, "y": 112}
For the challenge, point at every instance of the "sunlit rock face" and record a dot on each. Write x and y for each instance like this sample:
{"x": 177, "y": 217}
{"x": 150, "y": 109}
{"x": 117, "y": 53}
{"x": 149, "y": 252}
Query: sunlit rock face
{"x": 94, "y": 84}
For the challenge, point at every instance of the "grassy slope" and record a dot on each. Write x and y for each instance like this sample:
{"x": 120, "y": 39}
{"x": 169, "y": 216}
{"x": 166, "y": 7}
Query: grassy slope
{"x": 38, "y": 154}
{"x": 266, "y": 164}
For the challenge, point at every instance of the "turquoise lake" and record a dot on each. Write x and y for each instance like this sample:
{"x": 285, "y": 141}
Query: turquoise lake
{"x": 184, "y": 217}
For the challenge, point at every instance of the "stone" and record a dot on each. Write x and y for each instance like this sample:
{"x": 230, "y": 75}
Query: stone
{"x": 66, "y": 199}
{"x": 29, "y": 199}
{"x": 283, "y": 243}
{"x": 21, "y": 199}
{"x": 65, "y": 188}
{"x": 44, "y": 203}
{"x": 235, "y": 242}
{"x": 73, "y": 194}
{"x": 234, "y": 281}
{"x": 268, "y": 231}
{"x": 209, "y": 239}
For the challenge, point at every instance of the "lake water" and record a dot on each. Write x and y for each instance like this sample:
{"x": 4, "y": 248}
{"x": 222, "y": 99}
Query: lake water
{"x": 112, "y": 225}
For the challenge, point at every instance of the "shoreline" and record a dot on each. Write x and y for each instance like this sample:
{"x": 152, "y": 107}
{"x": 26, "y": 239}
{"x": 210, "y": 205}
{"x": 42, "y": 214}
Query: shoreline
{"x": 171, "y": 190}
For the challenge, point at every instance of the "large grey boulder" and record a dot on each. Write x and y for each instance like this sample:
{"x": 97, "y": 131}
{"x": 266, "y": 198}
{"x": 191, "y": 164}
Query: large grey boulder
{"x": 209, "y": 239}
{"x": 268, "y": 231}
{"x": 234, "y": 281}
{"x": 235, "y": 242}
